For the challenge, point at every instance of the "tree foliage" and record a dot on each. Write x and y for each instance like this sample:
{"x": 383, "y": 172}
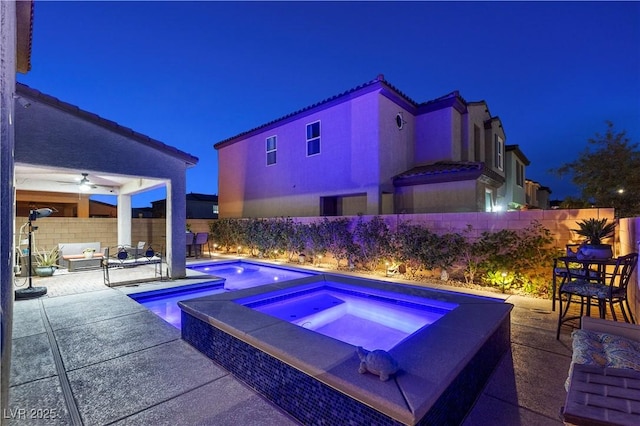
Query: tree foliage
{"x": 607, "y": 172}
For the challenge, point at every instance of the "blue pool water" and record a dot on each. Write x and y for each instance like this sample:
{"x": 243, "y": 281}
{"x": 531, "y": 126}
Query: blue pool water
{"x": 241, "y": 275}
{"x": 237, "y": 276}
{"x": 371, "y": 318}
{"x": 165, "y": 303}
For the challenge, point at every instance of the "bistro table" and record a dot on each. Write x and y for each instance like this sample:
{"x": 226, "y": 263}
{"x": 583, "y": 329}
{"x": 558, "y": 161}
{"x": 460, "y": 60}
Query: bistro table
{"x": 587, "y": 270}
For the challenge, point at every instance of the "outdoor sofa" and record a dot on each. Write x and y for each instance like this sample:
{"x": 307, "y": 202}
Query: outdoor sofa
{"x": 72, "y": 255}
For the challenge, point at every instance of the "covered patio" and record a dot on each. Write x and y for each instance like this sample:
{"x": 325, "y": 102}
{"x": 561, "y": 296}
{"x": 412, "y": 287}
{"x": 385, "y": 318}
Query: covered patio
{"x": 57, "y": 145}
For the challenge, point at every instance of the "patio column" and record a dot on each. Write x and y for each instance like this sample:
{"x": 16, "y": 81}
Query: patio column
{"x": 176, "y": 219}
{"x": 124, "y": 219}
{"x": 7, "y": 219}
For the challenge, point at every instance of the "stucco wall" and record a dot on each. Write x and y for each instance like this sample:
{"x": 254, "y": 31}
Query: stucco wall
{"x": 7, "y": 88}
{"x": 477, "y": 113}
{"x": 442, "y": 197}
{"x": 345, "y": 165}
{"x": 433, "y": 136}
{"x": 396, "y": 146}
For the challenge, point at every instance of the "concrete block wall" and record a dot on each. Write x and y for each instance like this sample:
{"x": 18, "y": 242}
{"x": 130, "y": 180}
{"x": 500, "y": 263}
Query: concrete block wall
{"x": 54, "y": 230}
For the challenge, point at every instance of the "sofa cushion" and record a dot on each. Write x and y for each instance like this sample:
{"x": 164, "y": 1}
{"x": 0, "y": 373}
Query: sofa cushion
{"x": 604, "y": 350}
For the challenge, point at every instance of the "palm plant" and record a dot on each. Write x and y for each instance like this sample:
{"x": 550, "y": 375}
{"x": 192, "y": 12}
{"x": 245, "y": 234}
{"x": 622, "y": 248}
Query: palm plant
{"x": 47, "y": 257}
{"x": 595, "y": 230}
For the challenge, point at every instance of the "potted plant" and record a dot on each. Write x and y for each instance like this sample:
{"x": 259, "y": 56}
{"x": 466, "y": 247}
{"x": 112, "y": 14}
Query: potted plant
{"x": 88, "y": 252}
{"x": 46, "y": 262}
{"x": 594, "y": 231}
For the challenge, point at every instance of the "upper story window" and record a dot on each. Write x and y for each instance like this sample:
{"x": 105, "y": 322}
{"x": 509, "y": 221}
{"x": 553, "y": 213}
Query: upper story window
{"x": 519, "y": 173}
{"x": 499, "y": 152}
{"x": 313, "y": 138}
{"x": 272, "y": 145}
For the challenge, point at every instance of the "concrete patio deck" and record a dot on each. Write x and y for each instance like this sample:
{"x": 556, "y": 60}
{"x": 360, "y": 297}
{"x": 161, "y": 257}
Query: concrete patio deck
{"x": 88, "y": 354}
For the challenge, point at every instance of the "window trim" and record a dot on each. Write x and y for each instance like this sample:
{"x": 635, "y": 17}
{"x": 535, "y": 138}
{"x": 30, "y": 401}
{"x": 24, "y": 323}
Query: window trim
{"x": 499, "y": 152}
{"x": 519, "y": 173}
{"x": 274, "y": 150}
{"x": 318, "y": 138}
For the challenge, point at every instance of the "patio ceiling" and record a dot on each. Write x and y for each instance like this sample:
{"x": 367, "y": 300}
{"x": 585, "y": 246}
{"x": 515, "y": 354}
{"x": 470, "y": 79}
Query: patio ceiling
{"x": 42, "y": 178}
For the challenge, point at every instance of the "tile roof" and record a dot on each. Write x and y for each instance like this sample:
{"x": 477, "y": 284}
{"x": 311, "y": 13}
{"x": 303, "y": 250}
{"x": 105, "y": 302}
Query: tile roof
{"x": 38, "y": 96}
{"x": 379, "y": 81}
{"x": 445, "y": 171}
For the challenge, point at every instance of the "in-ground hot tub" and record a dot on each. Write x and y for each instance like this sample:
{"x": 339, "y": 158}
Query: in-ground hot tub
{"x": 371, "y": 318}
{"x": 315, "y": 378}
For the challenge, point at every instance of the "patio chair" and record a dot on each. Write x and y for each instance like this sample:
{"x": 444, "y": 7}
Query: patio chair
{"x": 200, "y": 240}
{"x": 603, "y": 287}
{"x": 561, "y": 271}
{"x": 616, "y": 290}
{"x": 190, "y": 240}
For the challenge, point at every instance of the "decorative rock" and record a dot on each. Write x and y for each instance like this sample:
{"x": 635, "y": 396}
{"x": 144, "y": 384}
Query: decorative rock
{"x": 377, "y": 362}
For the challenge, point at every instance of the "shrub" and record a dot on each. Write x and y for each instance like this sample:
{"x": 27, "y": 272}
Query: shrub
{"x": 373, "y": 241}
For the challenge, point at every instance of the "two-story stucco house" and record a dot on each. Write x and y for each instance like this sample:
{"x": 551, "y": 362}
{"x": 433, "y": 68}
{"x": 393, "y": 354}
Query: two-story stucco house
{"x": 370, "y": 150}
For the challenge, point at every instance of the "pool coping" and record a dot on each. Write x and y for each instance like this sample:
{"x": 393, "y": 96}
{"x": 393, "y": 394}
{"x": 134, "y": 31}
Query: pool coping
{"x": 430, "y": 360}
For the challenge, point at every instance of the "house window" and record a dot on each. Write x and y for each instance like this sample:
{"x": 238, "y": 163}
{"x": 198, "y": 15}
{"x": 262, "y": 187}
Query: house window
{"x": 499, "y": 149}
{"x": 313, "y": 138}
{"x": 519, "y": 174}
{"x": 272, "y": 144}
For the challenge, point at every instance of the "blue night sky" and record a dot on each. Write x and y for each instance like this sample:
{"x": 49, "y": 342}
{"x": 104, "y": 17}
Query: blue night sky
{"x": 191, "y": 74}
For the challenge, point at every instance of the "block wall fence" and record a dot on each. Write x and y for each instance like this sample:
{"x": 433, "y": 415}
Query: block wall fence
{"x": 54, "y": 230}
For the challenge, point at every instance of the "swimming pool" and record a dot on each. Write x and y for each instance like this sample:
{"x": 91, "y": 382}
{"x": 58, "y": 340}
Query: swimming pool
{"x": 236, "y": 275}
{"x": 371, "y": 318}
{"x": 240, "y": 274}
{"x": 165, "y": 303}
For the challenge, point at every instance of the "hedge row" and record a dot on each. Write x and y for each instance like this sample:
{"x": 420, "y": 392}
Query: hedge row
{"x": 506, "y": 258}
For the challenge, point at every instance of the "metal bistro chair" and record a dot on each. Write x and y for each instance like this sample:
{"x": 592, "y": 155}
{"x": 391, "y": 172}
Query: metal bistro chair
{"x": 616, "y": 290}
{"x": 190, "y": 239}
{"x": 199, "y": 242}
{"x": 605, "y": 288}
{"x": 562, "y": 272}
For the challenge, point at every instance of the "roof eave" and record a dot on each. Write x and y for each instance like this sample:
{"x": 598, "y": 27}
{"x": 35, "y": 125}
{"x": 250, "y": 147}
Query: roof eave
{"x": 38, "y": 96}
{"x": 24, "y": 35}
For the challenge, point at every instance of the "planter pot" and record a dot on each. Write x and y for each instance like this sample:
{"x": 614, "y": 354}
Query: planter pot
{"x": 88, "y": 254}
{"x": 595, "y": 251}
{"x": 44, "y": 271}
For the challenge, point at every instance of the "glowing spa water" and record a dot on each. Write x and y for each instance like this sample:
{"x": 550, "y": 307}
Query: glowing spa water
{"x": 165, "y": 303}
{"x": 241, "y": 275}
{"x": 237, "y": 275}
{"x": 371, "y": 318}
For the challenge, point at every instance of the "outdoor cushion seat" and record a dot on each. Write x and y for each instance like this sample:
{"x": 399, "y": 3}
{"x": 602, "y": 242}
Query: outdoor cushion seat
{"x": 604, "y": 350}
{"x": 81, "y": 256}
{"x": 586, "y": 289}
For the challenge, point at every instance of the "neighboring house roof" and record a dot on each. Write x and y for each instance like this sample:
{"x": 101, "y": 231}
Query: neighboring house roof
{"x": 24, "y": 35}
{"x": 379, "y": 83}
{"x": 516, "y": 150}
{"x": 445, "y": 171}
{"x": 25, "y": 90}
{"x": 192, "y": 196}
{"x": 102, "y": 203}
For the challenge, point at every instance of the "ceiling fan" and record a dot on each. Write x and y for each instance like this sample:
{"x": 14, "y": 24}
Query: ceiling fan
{"x": 85, "y": 184}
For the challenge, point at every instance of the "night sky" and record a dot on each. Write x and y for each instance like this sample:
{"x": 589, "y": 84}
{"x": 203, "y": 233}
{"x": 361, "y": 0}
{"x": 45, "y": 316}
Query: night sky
{"x": 191, "y": 74}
